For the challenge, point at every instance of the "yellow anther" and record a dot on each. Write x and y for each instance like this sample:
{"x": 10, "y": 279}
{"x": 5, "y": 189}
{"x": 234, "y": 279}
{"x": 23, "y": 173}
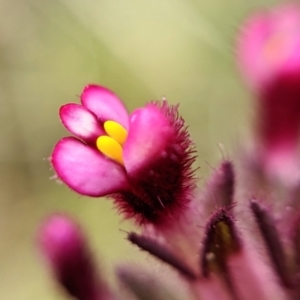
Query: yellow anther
{"x": 116, "y": 131}
{"x": 111, "y": 148}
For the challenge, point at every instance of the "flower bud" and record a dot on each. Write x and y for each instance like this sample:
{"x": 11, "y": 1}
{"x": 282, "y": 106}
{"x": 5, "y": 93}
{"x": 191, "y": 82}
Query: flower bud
{"x": 64, "y": 246}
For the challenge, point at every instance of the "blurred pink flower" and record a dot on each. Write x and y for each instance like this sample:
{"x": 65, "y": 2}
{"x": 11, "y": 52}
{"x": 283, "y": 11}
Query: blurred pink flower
{"x": 269, "y": 57}
{"x": 269, "y": 44}
{"x": 143, "y": 159}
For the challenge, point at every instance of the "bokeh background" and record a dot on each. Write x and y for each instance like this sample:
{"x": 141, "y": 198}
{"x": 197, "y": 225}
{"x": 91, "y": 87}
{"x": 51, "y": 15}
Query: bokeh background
{"x": 142, "y": 50}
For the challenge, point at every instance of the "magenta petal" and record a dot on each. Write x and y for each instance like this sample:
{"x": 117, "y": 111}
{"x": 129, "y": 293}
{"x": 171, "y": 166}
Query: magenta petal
{"x": 104, "y": 104}
{"x": 250, "y": 44}
{"x": 80, "y": 121}
{"x": 149, "y": 135}
{"x": 85, "y": 170}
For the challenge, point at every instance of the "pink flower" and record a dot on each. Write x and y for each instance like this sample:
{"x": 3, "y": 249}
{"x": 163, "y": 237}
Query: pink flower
{"x": 143, "y": 160}
{"x": 269, "y": 44}
{"x": 269, "y": 57}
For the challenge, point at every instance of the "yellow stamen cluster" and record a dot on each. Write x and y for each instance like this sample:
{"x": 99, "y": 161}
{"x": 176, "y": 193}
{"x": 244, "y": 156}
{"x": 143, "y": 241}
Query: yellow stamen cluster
{"x": 111, "y": 144}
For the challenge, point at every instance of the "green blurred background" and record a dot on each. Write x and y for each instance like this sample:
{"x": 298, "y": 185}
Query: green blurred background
{"x": 142, "y": 50}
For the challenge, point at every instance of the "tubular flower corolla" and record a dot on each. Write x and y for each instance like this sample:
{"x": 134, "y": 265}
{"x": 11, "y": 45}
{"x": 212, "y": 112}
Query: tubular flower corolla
{"x": 142, "y": 160}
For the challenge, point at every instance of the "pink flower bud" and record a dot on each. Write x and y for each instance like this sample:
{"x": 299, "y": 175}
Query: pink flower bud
{"x": 63, "y": 245}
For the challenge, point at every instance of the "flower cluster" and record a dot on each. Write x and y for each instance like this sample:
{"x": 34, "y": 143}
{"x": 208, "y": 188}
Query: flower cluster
{"x": 250, "y": 246}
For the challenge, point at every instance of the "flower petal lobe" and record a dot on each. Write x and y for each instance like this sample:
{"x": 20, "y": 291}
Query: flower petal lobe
{"x": 149, "y": 134}
{"x": 80, "y": 121}
{"x": 86, "y": 170}
{"x": 104, "y": 104}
